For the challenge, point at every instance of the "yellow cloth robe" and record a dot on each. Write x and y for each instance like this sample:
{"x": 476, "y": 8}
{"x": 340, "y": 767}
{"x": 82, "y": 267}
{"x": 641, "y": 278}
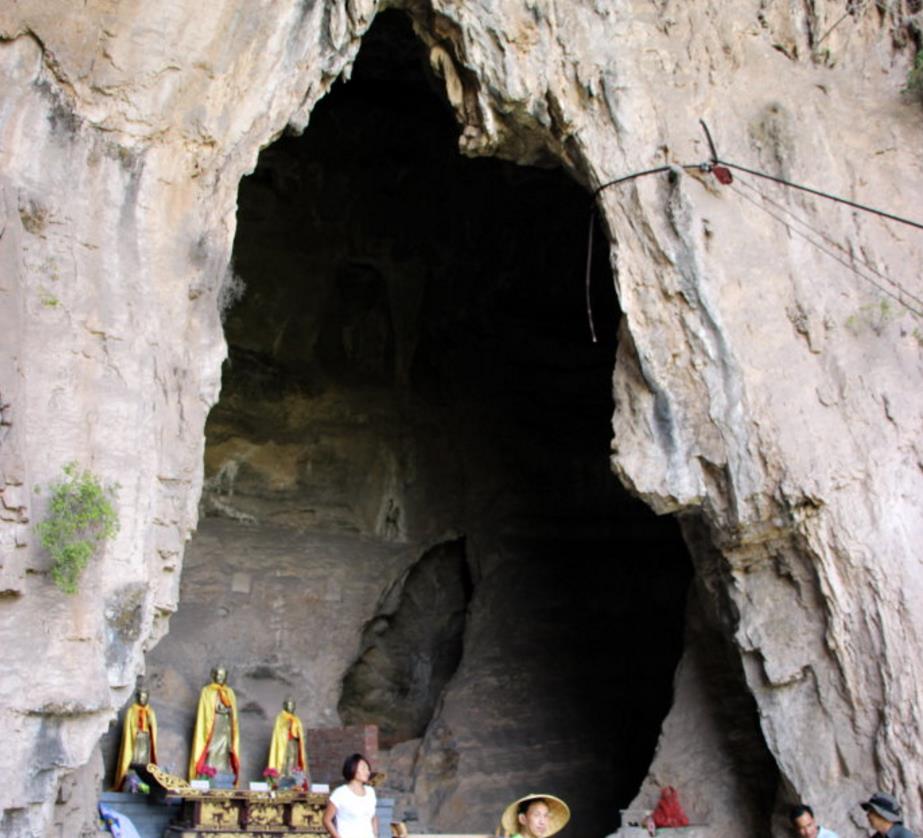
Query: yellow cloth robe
{"x": 205, "y": 726}
{"x": 138, "y": 718}
{"x": 287, "y": 727}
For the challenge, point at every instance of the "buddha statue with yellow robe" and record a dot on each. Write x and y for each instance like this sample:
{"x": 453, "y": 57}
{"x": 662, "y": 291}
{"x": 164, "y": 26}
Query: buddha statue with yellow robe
{"x": 216, "y": 739}
{"x": 139, "y": 738}
{"x": 287, "y": 751}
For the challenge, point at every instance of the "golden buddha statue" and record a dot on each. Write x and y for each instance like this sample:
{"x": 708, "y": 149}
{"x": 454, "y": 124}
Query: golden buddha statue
{"x": 139, "y": 738}
{"x": 216, "y": 739}
{"x": 287, "y": 750}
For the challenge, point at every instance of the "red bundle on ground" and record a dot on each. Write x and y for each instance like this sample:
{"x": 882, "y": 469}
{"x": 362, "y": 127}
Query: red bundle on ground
{"x": 669, "y": 812}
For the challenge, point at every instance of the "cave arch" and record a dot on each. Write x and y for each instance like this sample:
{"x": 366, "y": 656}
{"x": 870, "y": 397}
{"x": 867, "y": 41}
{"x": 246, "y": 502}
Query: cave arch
{"x": 411, "y": 358}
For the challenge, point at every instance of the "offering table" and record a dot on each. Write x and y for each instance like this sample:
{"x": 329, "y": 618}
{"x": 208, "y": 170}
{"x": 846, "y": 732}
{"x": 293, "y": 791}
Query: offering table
{"x": 221, "y": 813}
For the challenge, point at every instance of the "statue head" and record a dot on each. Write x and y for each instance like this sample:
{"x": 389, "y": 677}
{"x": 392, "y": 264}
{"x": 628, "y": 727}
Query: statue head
{"x": 289, "y": 704}
{"x": 142, "y": 697}
{"x": 220, "y": 675}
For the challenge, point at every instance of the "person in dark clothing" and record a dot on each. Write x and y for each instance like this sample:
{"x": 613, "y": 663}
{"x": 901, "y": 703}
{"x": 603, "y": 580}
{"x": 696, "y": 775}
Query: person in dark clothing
{"x": 884, "y": 814}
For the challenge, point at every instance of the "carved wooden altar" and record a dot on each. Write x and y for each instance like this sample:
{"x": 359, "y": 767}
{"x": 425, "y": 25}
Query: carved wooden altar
{"x": 222, "y": 813}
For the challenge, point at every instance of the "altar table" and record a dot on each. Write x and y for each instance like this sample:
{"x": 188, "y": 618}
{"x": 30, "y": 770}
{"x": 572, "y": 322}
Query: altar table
{"x": 222, "y": 813}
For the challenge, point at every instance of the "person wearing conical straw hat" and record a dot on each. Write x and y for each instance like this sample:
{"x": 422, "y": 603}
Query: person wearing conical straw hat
{"x": 534, "y": 816}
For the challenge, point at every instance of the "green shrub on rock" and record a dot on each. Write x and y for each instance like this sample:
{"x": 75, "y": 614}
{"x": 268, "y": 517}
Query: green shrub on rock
{"x": 81, "y": 516}
{"x": 915, "y": 77}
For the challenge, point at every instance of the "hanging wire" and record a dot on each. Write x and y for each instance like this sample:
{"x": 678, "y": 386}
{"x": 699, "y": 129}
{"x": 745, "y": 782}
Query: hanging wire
{"x": 632, "y": 176}
{"x": 833, "y": 243}
{"x": 716, "y": 160}
{"x": 903, "y": 292}
{"x": 720, "y": 168}
{"x": 822, "y": 194}
{"x": 848, "y": 265}
{"x": 704, "y": 167}
{"x": 589, "y": 260}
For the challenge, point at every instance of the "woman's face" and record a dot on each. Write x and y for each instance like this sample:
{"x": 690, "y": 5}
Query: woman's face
{"x": 363, "y": 771}
{"x": 534, "y": 821}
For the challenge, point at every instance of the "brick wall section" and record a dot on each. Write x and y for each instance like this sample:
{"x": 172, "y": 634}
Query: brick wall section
{"x": 328, "y": 747}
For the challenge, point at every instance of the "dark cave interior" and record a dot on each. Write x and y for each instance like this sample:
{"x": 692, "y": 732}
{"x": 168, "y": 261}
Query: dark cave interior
{"x": 410, "y": 363}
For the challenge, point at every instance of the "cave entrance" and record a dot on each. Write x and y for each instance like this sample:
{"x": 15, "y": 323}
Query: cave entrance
{"x": 409, "y": 514}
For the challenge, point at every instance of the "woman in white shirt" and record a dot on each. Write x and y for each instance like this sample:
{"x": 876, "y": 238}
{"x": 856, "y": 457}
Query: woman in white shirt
{"x": 351, "y": 808}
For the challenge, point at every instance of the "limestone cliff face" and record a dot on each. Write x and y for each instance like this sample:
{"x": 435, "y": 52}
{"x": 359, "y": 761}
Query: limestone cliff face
{"x": 764, "y": 389}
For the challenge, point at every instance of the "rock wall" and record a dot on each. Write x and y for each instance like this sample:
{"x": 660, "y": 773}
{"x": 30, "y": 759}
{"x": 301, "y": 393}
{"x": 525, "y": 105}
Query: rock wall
{"x": 802, "y": 460}
{"x": 760, "y": 383}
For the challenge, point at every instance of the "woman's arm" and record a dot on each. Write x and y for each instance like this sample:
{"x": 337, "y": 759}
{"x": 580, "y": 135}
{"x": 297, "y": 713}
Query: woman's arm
{"x": 329, "y": 814}
{"x": 375, "y": 825}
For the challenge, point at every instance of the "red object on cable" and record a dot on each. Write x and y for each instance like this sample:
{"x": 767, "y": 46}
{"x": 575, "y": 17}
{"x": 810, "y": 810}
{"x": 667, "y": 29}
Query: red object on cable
{"x": 669, "y": 812}
{"x": 723, "y": 173}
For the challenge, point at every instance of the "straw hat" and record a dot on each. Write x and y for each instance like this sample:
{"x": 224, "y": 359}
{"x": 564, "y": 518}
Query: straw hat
{"x": 558, "y": 814}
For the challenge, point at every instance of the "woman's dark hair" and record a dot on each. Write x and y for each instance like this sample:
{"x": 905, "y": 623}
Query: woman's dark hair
{"x": 523, "y": 807}
{"x": 352, "y": 764}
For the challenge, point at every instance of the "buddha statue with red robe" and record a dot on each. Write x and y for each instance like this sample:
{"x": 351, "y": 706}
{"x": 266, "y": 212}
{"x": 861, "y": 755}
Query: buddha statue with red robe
{"x": 139, "y": 738}
{"x": 216, "y": 739}
{"x": 287, "y": 750}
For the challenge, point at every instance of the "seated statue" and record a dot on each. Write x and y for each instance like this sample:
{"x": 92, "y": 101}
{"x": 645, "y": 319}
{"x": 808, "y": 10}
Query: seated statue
{"x": 139, "y": 738}
{"x": 286, "y": 751}
{"x": 216, "y": 739}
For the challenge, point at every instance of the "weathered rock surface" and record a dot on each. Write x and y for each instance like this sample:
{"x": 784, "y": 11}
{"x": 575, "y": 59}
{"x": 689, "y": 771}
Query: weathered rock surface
{"x": 760, "y": 383}
{"x": 409, "y": 655}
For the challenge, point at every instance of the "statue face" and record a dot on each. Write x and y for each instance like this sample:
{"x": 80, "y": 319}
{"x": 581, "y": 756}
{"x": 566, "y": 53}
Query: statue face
{"x": 289, "y": 705}
{"x": 219, "y": 675}
{"x": 142, "y": 698}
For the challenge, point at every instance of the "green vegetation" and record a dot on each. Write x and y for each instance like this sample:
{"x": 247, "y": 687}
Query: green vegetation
{"x": 873, "y": 316}
{"x": 884, "y": 317}
{"x": 34, "y": 218}
{"x": 48, "y": 300}
{"x": 81, "y": 516}
{"x": 915, "y": 77}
